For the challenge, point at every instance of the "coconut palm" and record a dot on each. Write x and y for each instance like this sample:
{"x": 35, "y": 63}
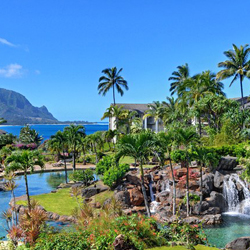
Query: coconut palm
{"x": 74, "y": 133}
{"x": 185, "y": 137}
{"x": 112, "y": 79}
{"x": 178, "y": 77}
{"x": 58, "y": 144}
{"x": 25, "y": 161}
{"x": 156, "y": 110}
{"x": 237, "y": 66}
{"x": 139, "y": 146}
{"x": 164, "y": 142}
{"x": 96, "y": 143}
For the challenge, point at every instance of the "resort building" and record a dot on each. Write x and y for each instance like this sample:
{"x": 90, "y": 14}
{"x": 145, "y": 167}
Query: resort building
{"x": 148, "y": 122}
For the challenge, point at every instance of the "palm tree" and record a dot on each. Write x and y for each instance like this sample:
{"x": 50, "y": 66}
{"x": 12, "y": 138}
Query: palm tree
{"x": 237, "y": 66}
{"x": 58, "y": 144}
{"x": 112, "y": 79}
{"x": 155, "y": 110}
{"x": 185, "y": 138}
{"x": 178, "y": 77}
{"x": 165, "y": 141}
{"x": 96, "y": 142}
{"x": 74, "y": 133}
{"x": 138, "y": 146}
{"x": 25, "y": 161}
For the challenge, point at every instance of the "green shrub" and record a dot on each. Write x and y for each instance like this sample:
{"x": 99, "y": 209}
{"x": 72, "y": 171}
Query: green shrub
{"x": 63, "y": 241}
{"x": 115, "y": 174}
{"x": 85, "y": 176}
{"x": 104, "y": 164}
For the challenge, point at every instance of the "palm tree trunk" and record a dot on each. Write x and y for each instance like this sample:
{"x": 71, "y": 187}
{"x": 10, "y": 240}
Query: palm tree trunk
{"x": 14, "y": 200}
{"x": 242, "y": 96}
{"x": 114, "y": 93}
{"x": 199, "y": 120}
{"x": 27, "y": 190}
{"x": 201, "y": 189}
{"x": 187, "y": 188}
{"x": 144, "y": 191}
{"x": 174, "y": 187}
{"x": 74, "y": 161}
{"x": 65, "y": 168}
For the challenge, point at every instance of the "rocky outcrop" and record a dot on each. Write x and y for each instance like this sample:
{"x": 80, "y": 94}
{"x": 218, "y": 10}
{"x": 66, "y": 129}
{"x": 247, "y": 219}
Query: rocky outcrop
{"x": 217, "y": 200}
{"x": 218, "y": 180}
{"x": 242, "y": 243}
{"x": 91, "y": 191}
{"x": 227, "y": 163}
{"x": 136, "y": 197}
{"x": 123, "y": 197}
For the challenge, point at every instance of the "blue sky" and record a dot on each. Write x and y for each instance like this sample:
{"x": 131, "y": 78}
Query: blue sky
{"x": 53, "y": 52}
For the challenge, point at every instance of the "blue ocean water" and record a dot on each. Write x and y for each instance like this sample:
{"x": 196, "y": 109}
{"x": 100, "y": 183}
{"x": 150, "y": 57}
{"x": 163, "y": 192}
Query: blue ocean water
{"x": 47, "y": 130}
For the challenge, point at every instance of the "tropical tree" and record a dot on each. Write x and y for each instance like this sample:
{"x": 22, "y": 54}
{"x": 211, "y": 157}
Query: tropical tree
{"x": 112, "y": 79}
{"x": 156, "y": 110}
{"x": 109, "y": 136}
{"x": 58, "y": 144}
{"x": 185, "y": 138}
{"x": 25, "y": 161}
{"x": 237, "y": 66}
{"x": 178, "y": 77}
{"x": 74, "y": 133}
{"x": 96, "y": 143}
{"x": 139, "y": 146}
{"x": 29, "y": 135}
{"x": 165, "y": 143}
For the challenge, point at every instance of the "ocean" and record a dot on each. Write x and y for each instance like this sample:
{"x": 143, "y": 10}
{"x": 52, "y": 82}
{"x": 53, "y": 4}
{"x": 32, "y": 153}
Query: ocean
{"x": 47, "y": 130}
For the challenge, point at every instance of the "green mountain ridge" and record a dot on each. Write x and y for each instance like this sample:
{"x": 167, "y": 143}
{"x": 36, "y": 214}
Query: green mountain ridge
{"x": 17, "y": 110}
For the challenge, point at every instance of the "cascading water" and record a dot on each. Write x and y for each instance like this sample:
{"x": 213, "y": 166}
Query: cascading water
{"x": 231, "y": 194}
{"x": 152, "y": 196}
{"x": 165, "y": 186}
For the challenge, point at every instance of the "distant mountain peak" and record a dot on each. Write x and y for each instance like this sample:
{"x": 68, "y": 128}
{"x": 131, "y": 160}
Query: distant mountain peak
{"x": 17, "y": 110}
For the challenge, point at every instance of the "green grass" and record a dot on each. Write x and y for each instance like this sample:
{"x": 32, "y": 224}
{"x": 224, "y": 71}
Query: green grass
{"x": 198, "y": 247}
{"x": 60, "y": 202}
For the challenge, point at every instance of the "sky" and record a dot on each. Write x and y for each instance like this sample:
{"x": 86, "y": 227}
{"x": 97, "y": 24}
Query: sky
{"x": 53, "y": 52}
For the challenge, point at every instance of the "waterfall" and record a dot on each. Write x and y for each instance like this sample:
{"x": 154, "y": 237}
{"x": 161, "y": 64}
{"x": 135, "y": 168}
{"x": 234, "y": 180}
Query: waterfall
{"x": 231, "y": 194}
{"x": 165, "y": 186}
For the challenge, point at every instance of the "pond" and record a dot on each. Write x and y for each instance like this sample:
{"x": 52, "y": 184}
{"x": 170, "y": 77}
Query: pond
{"x": 38, "y": 184}
{"x": 234, "y": 225}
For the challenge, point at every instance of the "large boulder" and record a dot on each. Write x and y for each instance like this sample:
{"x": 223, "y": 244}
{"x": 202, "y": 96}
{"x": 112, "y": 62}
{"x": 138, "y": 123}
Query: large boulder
{"x": 242, "y": 243}
{"x": 133, "y": 178}
{"x": 136, "y": 197}
{"x": 212, "y": 219}
{"x": 218, "y": 180}
{"x": 122, "y": 243}
{"x": 91, "y": 191}
{"x": 207, "y": 184}
{"x": 217, "y": 200}
{"x": 123, "y": 197}
{"x": 227, "y": 163}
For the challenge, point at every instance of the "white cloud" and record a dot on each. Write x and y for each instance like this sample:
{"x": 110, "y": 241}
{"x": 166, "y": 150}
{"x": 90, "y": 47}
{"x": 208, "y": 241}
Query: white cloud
{"x": 12, "y": 70}
{"x": 5, "y": 42}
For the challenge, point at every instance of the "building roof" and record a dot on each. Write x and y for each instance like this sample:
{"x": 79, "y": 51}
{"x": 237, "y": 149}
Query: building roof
{"x": 139, "y": 107}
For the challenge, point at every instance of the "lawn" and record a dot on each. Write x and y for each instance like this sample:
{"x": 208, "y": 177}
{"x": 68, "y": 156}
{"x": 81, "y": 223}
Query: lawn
{"x": 62, "y": 202}
{"x": 198, "y": 247}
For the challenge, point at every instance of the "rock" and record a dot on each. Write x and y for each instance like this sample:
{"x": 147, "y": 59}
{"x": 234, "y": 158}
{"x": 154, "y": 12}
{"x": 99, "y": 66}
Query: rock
{"x": 181, "y": 172}
{"x": 227, "y": 163}
{"x": 193, "y": 185}
{"x": 192, "y": 220}
{"x": 217, "y": 200}
{"x": 133, "y": 178}
{"x": 106, "y": 202}
{"x": 212, "y": 210}
{"x": 121, "y": 243}
{"x": 218, "y": 180}
{"x": 123, "y": 197}
{"x": 136, "y": 197}
{"x": 91, "y": 191}
{"x": 208, "y": 184}
{"x": 180, "y": 193}
{"x": 242, "y": 243}
{"x": 212, "y": 219}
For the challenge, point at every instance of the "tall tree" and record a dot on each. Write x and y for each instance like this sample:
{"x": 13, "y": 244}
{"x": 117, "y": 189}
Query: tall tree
{"x": 58, "y": 144}
{"x": 165, "y": 142}
{"x": 185, "y": 138}
{"x": 237, "y": 66}
{"x": 112, "y": 79}
{"x": 25, "y": 161}
{"x": 74, "y": 133}
{"x": 178, "y": 77}
{"x": 139, "y": 146}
